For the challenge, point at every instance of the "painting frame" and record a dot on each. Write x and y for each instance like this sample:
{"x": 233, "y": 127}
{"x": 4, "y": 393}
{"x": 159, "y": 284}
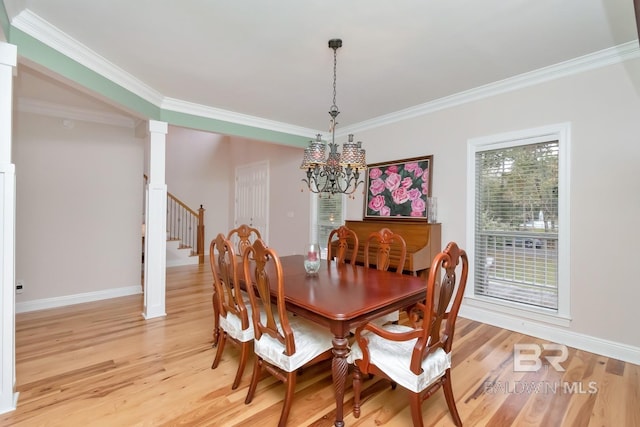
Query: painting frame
{"x": 396, "y": 190}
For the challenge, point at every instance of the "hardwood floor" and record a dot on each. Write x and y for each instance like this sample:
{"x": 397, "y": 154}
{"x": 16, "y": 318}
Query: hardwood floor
{"x": 102, "y": 364}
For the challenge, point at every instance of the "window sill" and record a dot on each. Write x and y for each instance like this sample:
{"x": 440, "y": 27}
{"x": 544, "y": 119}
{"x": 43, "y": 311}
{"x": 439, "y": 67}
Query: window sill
{"x": 516, "y": 311}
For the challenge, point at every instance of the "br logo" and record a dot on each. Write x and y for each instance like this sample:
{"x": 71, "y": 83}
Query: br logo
{"x": 526, "y": 357}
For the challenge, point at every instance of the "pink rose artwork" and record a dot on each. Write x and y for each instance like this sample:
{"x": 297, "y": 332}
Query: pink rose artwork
{"x": 375, "y": 173}
{"x": 393, "y": 181}
{"x": 414, "y": 194}
{"x": 400, "y": 195}
{"x": 398, "y": 190}
{"x": 376, "y": 203}
{"x": 411, "y": 166}
{"x": 376, "y": 187}
{"x": 407, "y": 182}
{"x": 418, "y": 206}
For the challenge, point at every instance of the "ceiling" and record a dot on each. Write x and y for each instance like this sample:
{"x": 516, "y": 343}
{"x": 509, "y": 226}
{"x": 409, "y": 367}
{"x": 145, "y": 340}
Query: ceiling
{"x": 271, "y": 59}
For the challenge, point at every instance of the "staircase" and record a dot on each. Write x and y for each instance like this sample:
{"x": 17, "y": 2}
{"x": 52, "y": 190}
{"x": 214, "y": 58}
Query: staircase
{"x": 179, "y": 254}
{"x": 185, "y": 233}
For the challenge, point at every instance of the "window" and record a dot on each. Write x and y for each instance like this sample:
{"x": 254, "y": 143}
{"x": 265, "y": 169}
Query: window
{"x": 327, "y": 214}
{"x": 519, "y": 219}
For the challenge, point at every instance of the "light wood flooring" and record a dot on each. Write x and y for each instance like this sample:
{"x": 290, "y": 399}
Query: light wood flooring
{"x": 102, "y": 364}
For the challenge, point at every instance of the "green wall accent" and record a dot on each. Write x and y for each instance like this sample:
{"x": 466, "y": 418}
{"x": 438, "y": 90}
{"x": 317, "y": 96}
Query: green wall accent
{"x": 41, "y": 54}
{"x": 4, "y": 20}
{"x": 228, "y": 128}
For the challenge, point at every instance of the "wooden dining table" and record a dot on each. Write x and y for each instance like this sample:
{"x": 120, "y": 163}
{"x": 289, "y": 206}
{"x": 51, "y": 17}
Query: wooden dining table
{"x": 342, "y": 297}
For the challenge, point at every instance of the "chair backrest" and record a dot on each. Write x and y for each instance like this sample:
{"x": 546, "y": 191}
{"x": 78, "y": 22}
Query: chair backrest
{"x": 225, "y": 279}
{"x": 262, "y": 268}
{"x": 384, "y": 240}
{"x": 243, "y": 236}
{"x": 437, "y": 316}
{"x": 347, "y": 244}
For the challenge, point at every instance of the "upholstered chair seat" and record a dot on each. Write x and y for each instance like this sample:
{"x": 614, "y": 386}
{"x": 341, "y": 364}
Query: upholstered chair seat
{"x": 232, "y": 324}
{"x": 395, "y": 356}
{"x": 310, "y": 340}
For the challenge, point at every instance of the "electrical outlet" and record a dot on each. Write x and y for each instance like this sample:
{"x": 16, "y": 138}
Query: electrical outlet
{"x": 19, "y": 286}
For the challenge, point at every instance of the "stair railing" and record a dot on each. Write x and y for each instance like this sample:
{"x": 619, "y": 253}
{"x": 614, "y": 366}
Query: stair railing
{"x": 186, "y": 225}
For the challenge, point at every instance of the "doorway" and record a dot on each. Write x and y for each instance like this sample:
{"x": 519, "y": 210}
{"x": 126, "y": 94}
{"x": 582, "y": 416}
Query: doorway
{"x": 252, "y": 197}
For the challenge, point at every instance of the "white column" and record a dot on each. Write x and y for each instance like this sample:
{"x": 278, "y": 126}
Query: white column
{"x": 8, "y": 399}
{"x": 155, "y": 251}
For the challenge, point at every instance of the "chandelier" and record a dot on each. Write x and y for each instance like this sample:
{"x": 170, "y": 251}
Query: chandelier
{"x": 337, "y": 173}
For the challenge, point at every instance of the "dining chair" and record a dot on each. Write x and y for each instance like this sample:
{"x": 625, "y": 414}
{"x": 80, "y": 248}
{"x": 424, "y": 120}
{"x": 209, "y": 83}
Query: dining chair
{"x": 243, "y": 236}
{"x": 346, "y": 244}
{"x": 418, "y": 357}
{"x": 283, "y": 343}
{"x": 383, "y": 242}
{"x": 233, "y": 312}
{"x": 240, "y": 237}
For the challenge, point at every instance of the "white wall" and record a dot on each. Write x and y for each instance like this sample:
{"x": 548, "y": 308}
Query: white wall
{"x": 288, "y": 202}
{"x": 78, "y": 208}
{"x": 201, "y": 169}
{"x": 603, "y": 107}
{"x": 198, "y": 173}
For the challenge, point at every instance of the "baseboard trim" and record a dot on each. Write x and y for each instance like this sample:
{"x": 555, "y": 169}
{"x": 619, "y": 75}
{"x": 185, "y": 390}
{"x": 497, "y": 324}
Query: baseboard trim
{"x": 554, "y": 334}
{"x": 180, "y": 262}
{"x": 55, "y": 302}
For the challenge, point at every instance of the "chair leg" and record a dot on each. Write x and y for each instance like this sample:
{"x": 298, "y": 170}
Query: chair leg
{"x": 415, "y": 401}
{"x": 221, "y": 343}
{"x": 451, "y": 401}
{"x": 216, "y": 320}
{"x": 357, "y": 387}
{"x": 288, "y": 398}
{"x": 257, "y": 370}
{"x": 244, "y": 355}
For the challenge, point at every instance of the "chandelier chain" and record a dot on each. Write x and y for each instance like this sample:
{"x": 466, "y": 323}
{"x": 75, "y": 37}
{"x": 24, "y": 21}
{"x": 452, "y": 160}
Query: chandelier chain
{"x": 335, "y": 76}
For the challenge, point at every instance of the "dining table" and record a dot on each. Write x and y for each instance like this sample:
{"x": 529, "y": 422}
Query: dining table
{"x": 341, "y": 297}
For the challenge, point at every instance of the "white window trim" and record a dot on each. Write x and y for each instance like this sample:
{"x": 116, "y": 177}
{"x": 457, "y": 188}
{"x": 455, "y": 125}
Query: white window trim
{"x": 562, "y": 133}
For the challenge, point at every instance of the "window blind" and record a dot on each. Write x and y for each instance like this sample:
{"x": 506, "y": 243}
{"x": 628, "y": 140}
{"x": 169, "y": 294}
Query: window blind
{"x": 329, "y": 216}
{"x": 516, "y": 230}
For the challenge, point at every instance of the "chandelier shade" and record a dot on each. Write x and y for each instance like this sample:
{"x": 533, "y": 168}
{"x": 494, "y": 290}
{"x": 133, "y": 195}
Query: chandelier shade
{"x": 335, "y": 172}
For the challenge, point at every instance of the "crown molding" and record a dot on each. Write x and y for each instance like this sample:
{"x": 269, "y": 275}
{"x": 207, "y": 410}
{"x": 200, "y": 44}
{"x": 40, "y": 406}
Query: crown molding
{"x": 179, "y": 106}
{"x": 42, "y": 30}
{"x": 50, "y": 109}
{"x": 616, "y": 54}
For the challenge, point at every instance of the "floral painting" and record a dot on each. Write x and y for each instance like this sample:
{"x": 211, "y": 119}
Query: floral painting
{"x": 398, "y": 189}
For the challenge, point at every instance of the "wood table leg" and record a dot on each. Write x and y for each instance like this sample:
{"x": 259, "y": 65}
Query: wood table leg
{"x": 339, "y": 369}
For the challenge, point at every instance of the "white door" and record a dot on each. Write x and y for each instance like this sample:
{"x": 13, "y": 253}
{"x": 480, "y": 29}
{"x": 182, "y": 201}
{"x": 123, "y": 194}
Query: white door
{"x": 252, "y": 197}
